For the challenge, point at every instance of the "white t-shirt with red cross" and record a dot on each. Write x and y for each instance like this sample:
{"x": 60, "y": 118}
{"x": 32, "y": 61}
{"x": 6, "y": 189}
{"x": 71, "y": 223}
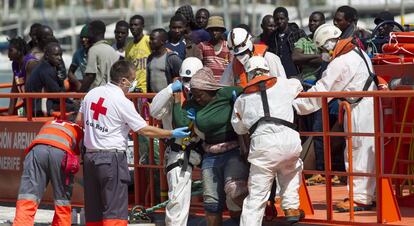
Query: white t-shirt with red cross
{"x": 108, "y": 116}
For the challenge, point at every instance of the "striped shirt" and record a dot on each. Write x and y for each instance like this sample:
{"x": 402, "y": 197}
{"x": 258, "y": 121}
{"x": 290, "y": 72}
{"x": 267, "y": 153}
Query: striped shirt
{"x": 217, "y": 61}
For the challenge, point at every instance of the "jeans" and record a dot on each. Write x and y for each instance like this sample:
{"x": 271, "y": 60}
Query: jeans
{"x": 217, "y": 171}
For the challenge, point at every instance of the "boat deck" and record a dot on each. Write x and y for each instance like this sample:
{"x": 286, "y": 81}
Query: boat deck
{"x": 318, "y": 197}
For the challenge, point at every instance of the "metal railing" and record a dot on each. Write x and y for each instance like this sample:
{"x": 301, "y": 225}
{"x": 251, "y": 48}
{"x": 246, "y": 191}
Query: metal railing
{"x": 378, "y": 135}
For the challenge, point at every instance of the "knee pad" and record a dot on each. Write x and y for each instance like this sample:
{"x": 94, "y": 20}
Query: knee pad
{"x": 236, "y": 189}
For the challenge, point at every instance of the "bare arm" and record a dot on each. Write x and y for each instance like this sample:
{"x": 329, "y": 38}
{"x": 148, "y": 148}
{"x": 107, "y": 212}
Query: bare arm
{"x": 12, "y": 103}
{"x": 154, "y": 132}
{"x": 87, "y": 82}
{"x": 72, "y": 77}
{"x": 29, "y": 68}
{"x": 79, "y": 119}
{"x": 299, "y": 58}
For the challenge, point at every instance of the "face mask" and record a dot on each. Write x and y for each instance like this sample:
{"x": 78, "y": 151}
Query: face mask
{"x": 243, "y": 58}
{"x": 186, "y": 86}
{"x": 132, "y": 86}
{"x": 330, "y": 45}
{"x": 326, "y": 57}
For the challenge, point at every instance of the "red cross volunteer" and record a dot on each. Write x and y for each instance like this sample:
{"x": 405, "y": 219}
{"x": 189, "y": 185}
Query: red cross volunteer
{"x": 108, "y": 116}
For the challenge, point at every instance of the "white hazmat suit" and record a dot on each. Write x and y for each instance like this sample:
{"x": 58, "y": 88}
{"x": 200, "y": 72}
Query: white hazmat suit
{"x": 274, "y": 63}
{"x": 348, "y": 72}
{"x": 274, "y": 149}
{"x": 179, "y": 183}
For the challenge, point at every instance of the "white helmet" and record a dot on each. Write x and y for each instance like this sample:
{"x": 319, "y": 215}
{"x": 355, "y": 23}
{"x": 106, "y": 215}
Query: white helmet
{"x": 324, "y": 33}
{"x": 239, "y": 41}
{"x": 190, "y": 66}
{"x": 257, "y": 62}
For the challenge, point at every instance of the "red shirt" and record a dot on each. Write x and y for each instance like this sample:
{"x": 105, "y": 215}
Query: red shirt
{"x": 216, "y": 61}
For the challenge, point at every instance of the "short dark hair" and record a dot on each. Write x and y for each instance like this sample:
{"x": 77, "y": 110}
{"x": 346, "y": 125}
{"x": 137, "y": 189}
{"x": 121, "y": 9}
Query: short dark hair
{"x": 19, "y": 44}
{"x": 178, "y": 18}
{"x": 35, "y": 26}
{"x": 163, "y": 33}
{"x": 137, "y": 17}
{"x": 265, "y": 18}
{"x": 97, "y": 28}
{"x": 350, "y": 13}
{"x": 281, "y": 10}
{"x": 51, "y": 45}
{"x": 244, "y": 26}
{"x": 205, "y": 10}
{"x": 120, "y": 69}
{"x": 122, "y": 23}
{"x": 318, "y": 13}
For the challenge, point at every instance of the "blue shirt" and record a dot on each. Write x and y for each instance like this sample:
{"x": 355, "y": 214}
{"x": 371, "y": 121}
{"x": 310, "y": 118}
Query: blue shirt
{"x": 178, "y": 48}
{"x": 79, "y": 60}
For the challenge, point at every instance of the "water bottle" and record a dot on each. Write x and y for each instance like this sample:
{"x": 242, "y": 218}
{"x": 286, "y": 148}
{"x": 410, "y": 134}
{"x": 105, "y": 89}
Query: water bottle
{"x": 82, "y": 217}
{"x": 74, "y": 216}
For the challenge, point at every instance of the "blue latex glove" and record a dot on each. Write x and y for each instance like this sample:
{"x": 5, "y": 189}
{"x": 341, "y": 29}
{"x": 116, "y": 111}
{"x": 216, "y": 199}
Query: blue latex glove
{"x": 191, "y": 114}
{"x": 181, "y": 132}
{"x": 234, "y": 95}
{"x": 177, "y": 86}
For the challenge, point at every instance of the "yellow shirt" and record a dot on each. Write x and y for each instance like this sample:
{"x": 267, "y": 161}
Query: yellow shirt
{"x": 138, "y": 53}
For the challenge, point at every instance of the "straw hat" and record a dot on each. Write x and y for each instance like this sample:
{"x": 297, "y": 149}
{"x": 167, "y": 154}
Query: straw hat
{"x": 215, "y": 22}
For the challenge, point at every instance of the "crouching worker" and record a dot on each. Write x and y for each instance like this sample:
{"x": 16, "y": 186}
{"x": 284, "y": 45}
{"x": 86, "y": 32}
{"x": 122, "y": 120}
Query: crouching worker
{"x": 275, "y": 144}
{"x": 51, "y": 157}
{"x": 181, "y": 154}
{"x": 224, "y": 173}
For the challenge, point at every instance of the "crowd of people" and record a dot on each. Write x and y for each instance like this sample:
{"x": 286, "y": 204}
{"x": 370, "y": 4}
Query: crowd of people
{"x": 227, "y": 102}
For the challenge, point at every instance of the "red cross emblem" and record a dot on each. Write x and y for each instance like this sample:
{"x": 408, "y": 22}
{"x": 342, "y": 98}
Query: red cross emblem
{"x": 98, "y": 108}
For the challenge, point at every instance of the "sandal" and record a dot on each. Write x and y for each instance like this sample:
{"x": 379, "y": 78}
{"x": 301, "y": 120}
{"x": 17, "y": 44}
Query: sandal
{"x": 344, "y": 206}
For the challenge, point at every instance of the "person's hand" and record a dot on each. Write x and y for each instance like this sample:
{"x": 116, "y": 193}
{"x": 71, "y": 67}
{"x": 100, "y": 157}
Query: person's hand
{"x": 181, "y": 132}
{"x": 177, "y": 86}
{"x": 234, "y": 95}
{"x": 191, "y": 114}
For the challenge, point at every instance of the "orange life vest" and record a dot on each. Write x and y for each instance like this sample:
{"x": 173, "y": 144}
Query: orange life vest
{"x": 240, "y": 75}
{"x": 253, "y": 85}
{"x": 61, "y": 134}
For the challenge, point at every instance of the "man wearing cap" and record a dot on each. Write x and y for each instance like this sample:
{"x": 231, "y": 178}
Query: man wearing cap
{"x": 79, "y": 59}
{"x": 215, "y": 53}
{"x": 384, "y": 30}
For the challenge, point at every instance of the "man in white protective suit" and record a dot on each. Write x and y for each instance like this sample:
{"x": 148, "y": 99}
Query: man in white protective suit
{"x": 349, "y": 69}
{"x": 265, "y": 111}
{"x": 240, "y": 45}
{"x": 181, "y": 155}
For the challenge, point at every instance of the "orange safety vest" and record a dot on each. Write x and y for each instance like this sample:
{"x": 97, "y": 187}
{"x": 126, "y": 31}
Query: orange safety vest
{"x": 61, "y": 134}
{"x": 240, "y": 75}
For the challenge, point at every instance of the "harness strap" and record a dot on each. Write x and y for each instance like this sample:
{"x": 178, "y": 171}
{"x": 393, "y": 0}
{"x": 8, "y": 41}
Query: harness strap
{"x": 180, "y": 162}
{"x": 371, "y": 78}
{"x": 184, "y": 163}
{"x": 266, "y": 111}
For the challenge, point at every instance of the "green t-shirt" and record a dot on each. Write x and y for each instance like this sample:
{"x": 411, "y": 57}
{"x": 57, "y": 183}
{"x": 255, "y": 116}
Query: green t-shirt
{"x": 308, "y": 46}
{"x": 214, "y": 118}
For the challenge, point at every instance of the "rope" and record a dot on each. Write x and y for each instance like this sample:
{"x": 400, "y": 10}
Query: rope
{"x": 140, "y": 214}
